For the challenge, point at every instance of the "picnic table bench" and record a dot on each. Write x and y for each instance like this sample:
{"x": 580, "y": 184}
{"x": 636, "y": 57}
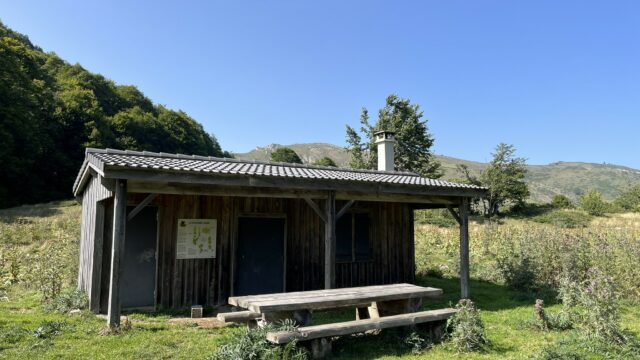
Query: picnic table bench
{"x": 377, "y": 307}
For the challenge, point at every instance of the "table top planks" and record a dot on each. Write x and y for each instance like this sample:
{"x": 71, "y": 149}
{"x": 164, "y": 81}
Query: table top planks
{"x": 332, "y": 298}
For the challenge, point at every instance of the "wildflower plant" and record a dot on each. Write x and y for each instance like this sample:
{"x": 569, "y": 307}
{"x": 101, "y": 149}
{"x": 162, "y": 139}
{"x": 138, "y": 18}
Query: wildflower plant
{"x": 253, "y": 344}
{"x": 598, "y": 308}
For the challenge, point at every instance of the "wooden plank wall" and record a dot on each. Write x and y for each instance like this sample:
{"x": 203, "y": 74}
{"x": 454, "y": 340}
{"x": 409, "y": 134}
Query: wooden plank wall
{"x": 182, "y": 283}
{"x": 392, "y": 247}
{"x": 91, "y": 238}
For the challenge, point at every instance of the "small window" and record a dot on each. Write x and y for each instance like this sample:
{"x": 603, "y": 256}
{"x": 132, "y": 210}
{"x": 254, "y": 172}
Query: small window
{"x": 352, "y": 238}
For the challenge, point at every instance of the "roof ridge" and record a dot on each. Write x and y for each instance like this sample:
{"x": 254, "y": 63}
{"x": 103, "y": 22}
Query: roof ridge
{"x": 272, "y": 163}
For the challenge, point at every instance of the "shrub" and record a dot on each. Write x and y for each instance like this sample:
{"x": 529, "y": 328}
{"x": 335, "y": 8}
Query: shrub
{"x": 48, "y": 271}
{"x": 560, "y": 201}
{"x": 544, "y": 321}
{"x": 540, "y": 318}
{"x": 9, "y": 268}
{"x": 527, "y": 210}
{"x": 4, "y": 279}
{"x": 629, "y": 200}
{"x": 560, "y": 321}
{"x": 564, "y": 218}
{"x": 558, "y": 351}
{"x": 613, "y": 245}
{"x": 569, "y": 290}
{"x": 68, "y": 300}
{"x": 48, "y": 329}
{"x": 253, "y": 344}
{"x": 593, "y": 204}
{"x": 517, "y": 271}
{"x": 417, "y": 343}
{"x": 466, "y": 328}
{"x": 598, "y": 308}
{"x": 438, "y": 217}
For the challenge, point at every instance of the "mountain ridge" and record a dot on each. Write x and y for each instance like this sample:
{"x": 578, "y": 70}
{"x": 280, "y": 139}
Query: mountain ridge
{"x": 570, "y": 178}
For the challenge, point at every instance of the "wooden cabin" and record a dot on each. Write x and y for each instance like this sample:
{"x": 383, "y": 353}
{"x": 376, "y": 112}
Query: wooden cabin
{"x": 165, "y": 231}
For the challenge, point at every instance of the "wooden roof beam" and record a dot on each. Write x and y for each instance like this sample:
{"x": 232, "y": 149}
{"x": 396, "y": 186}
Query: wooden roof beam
{"x": 147, "y": 200}
{"x": 345, "y": 208}
{"x": 316, "y": 208}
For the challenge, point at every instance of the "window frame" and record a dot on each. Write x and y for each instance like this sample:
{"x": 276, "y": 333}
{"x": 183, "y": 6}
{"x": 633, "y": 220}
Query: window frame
{"x": 353, "y": 214}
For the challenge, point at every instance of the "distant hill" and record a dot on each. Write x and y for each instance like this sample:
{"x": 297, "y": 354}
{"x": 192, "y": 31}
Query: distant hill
{"x": 568, "y": 178}
{"x": 309, "y": 153}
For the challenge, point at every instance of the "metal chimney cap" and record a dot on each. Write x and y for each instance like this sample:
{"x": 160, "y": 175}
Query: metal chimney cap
{"x": 384, "y": 135}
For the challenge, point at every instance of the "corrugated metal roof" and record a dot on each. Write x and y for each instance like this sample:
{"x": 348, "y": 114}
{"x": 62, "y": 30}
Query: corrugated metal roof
{"x": 102, "y": 158}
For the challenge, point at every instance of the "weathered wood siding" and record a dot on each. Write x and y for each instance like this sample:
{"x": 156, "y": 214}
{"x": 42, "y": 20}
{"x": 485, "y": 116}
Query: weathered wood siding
{"x": 181, "y": 283}
{"x": 392, "y": 249}
{"x": 91, "y": 238}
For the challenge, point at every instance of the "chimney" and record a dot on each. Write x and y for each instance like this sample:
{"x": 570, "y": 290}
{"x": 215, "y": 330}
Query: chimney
{"x": 385, "y": 141}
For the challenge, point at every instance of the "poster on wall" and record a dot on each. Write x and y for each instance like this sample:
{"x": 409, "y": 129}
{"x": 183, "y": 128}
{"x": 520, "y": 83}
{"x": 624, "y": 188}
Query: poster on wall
{"x": 196, "y": 238}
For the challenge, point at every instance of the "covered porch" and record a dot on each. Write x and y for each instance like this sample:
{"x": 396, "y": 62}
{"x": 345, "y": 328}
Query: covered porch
{"x": 316, "y": 212}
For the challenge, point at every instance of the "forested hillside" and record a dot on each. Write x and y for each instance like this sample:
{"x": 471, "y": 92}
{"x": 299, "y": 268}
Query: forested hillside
{"x": 51, "y": 110}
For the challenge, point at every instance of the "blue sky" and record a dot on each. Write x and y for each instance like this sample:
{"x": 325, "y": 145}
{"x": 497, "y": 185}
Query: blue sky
{"x": 558, "y": 79}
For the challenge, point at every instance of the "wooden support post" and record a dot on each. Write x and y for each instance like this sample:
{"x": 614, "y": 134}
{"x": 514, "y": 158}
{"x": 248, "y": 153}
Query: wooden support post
{"x": 321, "y": 348}
{"x": 117, "y": 248}
{"x": 464, "y": 248}
{"x": 330, "y": 242}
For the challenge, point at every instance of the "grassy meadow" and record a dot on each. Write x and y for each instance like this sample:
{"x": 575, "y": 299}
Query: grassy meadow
{"x": 513, "y": 262}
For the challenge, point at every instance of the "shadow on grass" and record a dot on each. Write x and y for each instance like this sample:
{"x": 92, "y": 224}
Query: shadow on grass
{"x": 391, "y": 342}
{"x": 157, "y": 313}
{"x": 486, "y": 295}
{"x": 208, "y": 311}
{"x": 21, "y": 214}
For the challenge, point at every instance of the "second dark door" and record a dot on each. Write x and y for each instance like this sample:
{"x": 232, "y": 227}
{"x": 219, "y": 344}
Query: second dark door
{"x": 260, "y": 256}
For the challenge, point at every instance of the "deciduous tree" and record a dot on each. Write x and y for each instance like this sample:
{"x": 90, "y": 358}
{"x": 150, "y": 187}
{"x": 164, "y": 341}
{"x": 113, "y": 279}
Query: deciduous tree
{"x": 326, "y": 161}
{"x": 504, "y": 176}
{"x": 286, "y": 155}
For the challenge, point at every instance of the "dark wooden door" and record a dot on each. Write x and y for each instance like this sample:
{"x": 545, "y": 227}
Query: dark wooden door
{"x": 260, "y": 256}
{"x": 138, "y": 278}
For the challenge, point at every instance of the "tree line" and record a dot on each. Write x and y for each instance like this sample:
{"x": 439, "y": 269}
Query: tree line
{"x": 51, "y": 110}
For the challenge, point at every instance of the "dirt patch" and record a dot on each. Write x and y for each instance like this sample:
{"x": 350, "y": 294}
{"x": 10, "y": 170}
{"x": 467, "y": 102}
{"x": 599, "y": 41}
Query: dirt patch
{"x": 205, "y": 322}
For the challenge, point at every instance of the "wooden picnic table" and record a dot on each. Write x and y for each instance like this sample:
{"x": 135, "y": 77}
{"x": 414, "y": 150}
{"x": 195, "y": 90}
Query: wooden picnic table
{"x": 370, "y": 301}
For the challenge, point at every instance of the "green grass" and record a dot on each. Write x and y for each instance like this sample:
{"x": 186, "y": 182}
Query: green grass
{"x": 151, "y": 337}
{"x": 505, "y": 312}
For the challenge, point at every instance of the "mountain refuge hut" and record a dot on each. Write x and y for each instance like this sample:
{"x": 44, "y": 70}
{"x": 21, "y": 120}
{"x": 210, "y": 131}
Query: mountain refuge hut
{"x": 166, "y": 231}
